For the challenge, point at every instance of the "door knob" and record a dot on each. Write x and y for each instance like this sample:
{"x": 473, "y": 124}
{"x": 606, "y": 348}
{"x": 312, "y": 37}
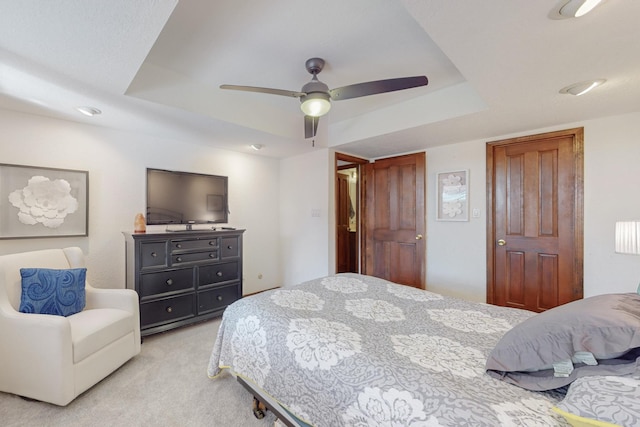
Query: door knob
{"x": 419, "y": 237}
{"x": 501, "y": 242}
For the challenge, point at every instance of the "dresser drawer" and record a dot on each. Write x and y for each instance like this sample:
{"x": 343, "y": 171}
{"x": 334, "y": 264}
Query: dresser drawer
{"x": 153, "y": 284}
{"x": 188, "y": 244}
{"x": 230, "y": 247}
{"x": 223, "y": 272}
{"x": 194, "y": 257}
{"x": 153, "y": 254}
{"x": 167, "y": 310}
{"x": 217, "y": 298}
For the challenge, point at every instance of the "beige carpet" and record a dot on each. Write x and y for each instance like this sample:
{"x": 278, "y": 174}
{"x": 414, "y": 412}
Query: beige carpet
{"x": 165, "y": 385}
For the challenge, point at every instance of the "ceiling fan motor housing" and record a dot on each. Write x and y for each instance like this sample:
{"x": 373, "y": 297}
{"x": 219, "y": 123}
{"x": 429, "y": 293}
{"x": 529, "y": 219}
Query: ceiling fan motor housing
{"x": 315, "y": 86}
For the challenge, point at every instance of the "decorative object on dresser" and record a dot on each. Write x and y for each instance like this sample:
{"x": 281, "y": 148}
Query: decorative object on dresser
{"x": 139, "y": 224}
{"x": 183, "y": 276}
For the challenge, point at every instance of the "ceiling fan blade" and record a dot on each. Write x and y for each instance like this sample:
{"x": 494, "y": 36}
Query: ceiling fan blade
{"x": 310, "y": 126}
{"x": 380, "y": 86}
{"x": 264, "y": 90}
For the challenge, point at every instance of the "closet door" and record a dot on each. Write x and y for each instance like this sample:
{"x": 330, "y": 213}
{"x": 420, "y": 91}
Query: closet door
{"x": 535, "y": 228}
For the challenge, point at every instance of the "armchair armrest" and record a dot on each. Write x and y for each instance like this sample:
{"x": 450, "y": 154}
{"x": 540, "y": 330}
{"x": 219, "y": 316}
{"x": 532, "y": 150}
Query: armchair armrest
{"x": 40, "y": 352}
{"x": 124, "y": 299}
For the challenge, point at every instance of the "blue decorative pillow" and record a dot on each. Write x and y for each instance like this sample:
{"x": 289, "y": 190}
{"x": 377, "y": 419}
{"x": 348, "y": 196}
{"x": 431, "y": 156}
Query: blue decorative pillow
{"x": 57, "y": 292}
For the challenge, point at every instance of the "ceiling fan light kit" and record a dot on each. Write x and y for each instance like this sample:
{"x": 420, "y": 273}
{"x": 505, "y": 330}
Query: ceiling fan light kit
{"x": 315, "y": 104}
{"x": 316, "y": 97}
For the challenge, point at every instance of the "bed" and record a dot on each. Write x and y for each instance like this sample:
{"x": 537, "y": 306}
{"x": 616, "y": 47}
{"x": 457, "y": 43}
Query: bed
{"x": 356, "y": 350}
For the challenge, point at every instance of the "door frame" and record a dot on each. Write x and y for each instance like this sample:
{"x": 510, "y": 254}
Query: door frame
{"x": 578, "y": 236}
{"x": 357, "y": 162}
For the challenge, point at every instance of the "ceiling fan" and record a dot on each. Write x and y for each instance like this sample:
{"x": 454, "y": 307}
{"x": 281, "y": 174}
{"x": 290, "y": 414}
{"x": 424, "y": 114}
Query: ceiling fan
{"x": 316, "y": 96}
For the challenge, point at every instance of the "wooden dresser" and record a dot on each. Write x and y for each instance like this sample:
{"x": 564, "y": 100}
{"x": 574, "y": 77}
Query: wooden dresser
{"x": 183, "y": 277}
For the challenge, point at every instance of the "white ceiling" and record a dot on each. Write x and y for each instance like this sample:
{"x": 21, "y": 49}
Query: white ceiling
{"x": 154, "y": 66}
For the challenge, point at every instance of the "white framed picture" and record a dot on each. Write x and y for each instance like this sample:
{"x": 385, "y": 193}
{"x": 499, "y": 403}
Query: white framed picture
{"x": 43, "y": 202}
{"x": 452, "y": 190}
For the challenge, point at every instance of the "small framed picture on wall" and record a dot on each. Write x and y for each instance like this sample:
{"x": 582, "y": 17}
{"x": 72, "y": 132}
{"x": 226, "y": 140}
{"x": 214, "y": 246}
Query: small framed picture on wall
{"x": 452, "y": 201}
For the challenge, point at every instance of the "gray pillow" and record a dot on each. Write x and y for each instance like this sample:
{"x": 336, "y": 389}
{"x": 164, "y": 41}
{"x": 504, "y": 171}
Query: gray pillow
{"x": 608, "y": 326}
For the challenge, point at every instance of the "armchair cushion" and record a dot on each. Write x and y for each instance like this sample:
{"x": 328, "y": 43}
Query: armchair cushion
{"x": 50, "y": 291}
{"x": 91, "y": 330}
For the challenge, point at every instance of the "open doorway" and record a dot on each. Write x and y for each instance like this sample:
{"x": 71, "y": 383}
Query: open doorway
{"x": 348, "y": 213}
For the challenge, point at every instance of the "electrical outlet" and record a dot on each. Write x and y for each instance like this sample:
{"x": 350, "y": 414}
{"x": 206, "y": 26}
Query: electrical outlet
{"x": 475, "y": 213}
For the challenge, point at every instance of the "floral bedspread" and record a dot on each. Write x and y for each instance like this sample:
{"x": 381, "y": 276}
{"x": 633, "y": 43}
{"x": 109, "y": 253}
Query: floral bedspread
{"x": 355, "y": 350}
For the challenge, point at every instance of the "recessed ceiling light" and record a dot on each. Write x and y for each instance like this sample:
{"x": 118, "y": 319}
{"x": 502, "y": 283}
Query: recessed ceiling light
{"x": 257, "y": 146}
{"x": 581, "y": 88}
{"x": 89, "y": 111}
{"x": 578, "y": 8}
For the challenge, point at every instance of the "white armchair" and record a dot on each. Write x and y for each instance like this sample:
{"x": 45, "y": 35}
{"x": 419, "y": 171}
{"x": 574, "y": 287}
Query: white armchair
{"x": 54, "y": 358}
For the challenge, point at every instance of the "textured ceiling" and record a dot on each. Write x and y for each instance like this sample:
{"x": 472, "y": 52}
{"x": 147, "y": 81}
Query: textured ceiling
{"x": 154, "y": 66}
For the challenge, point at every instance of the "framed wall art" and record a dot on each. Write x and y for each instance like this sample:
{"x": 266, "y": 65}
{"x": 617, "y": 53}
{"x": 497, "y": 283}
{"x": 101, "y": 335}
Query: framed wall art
{"x": 452, "y": 201}
{"x": 43, "y": 202}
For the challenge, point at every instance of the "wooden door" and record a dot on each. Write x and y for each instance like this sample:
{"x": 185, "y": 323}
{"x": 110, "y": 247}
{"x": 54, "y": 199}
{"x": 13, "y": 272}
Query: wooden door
{"x": 343, "y": 244}
{"x": 534, "y": 187}
{"x": 395, "y": 219}
{"x": 349, "y": 244}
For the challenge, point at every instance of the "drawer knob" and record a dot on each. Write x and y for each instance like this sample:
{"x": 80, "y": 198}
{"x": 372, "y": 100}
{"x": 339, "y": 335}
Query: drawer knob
{"x": 178, "y": 245}
{"x": 153, "y": 254}
{"x": 212, "y": 255}
{"x": 219, "y": 297}
{"x": 170, "y": 282}
{"x": 229, "y": 247}
{"x": 212, "y": 243}
{"x": 169, "y": 309}
{"x": 219, "y": 274}
{"x": 179, "y": 259}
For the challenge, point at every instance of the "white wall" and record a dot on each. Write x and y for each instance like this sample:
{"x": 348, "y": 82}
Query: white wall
{"x": 456, "y": 251}
{"x": 612, "y": 175}
{"x": 306, "y": 216}
{"x": 275, "y": 201}
{"x": 117, "y": 163}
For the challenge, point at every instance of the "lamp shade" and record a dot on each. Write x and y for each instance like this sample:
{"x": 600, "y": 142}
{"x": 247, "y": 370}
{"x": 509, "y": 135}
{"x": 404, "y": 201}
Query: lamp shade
{"x": 315, "y": 104}
{"x": 628, "y": 237}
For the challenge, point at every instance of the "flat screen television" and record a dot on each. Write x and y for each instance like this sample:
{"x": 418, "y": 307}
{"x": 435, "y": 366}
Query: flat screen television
{"x": 186, "y": 198}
